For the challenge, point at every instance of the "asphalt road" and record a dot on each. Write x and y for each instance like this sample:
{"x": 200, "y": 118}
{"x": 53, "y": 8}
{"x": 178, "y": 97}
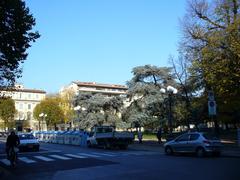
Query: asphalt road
{"x": 71, "y": 162}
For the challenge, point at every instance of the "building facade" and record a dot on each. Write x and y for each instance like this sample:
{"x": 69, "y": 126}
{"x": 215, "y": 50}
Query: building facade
{"x": 25, "y": 102}
{"x": 77, "y": 87}
{"x": 93, "y": 87}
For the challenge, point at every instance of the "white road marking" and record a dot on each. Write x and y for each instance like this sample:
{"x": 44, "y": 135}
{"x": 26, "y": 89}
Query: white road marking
{"x": 113, "y": 153}
{"x": 59, "y": 157}
{"x": 89, "y": 155}
{"x": 44, "y": 158}
{"x": 133, "y": 153}
{"x": 37, "y": 152}
{"x": 75, "y": 156}
{"x": 50, "y": 149}
{"x": 104, "y": 154}
{"x": 5, "y": 161}
{"x": 26, "y": 160}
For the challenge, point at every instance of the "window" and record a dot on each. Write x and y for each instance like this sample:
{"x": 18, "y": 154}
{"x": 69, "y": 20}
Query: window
{"x": 20, "y": 106}
{"x": 29, "y": 96}
{"x": 26, "y": 136}
{"x": 210, "y": 136}
{"x": 29, "y": 115}
{"x": 29, "y": 106}
{"x": 21, "y": 115}
{"x": 107, "y": 130}
{"x": 194, "y": 137}
{"x": 99, "y": 130}
{"x": 17, "y": 105}
{"x": 184, "y": 137}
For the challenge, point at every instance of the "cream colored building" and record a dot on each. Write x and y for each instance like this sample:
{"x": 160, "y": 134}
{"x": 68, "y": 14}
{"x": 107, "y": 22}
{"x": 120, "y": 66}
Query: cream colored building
{"x": 106, "y": 89}
{"x": 25, "y": 102}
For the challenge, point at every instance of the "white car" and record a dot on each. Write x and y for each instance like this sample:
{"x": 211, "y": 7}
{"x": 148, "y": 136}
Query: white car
{"x": 28, "y": 142}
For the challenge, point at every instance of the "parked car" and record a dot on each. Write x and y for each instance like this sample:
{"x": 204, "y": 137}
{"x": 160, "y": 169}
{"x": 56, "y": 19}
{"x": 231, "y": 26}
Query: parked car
{"x": 28, "y": 142}
{"x": 194, "y": 142}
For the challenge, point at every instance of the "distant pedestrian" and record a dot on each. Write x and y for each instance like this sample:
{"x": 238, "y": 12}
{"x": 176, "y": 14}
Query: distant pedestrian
{"x": 140, "y": 136}
{"x": 159, "y": 135}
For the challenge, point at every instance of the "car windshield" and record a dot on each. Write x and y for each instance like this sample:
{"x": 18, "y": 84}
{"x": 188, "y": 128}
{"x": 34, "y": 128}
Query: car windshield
{"x": 104, "y": 130}
{"x": 210, "y": 136}
{"x": 26, "y": 136}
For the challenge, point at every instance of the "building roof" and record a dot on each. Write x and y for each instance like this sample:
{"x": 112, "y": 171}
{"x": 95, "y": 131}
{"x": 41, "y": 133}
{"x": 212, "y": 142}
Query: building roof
{"x": 94, "y": 84}
{"x": 23, "y": 90}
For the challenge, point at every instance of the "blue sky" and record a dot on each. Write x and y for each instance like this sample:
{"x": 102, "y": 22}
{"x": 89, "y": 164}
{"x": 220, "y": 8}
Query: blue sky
{"x": 99, "y": 40}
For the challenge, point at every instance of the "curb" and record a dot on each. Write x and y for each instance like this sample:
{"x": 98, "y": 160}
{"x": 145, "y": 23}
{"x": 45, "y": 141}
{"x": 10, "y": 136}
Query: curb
{"x": 147, "y": 146}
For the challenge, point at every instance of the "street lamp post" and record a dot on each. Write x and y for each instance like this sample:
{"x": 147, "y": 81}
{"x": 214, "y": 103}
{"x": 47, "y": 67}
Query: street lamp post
{"x": 170, "y": 91}
{"x": 79, "y": 109}
{"x": 42, "y": 116}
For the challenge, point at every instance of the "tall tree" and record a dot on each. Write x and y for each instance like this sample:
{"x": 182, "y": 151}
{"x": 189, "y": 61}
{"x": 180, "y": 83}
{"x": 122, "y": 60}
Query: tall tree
{"x": 187, "y": 88}
{"x": 66, "y": 100}
{"x": 7, "y": 112}
{"x": 146, "y": 100}
{"x": 212, "y": 42}
{"x": 50, "y": 107}
{"x": 97, "y": 109}
{"x": 16, "y": 35}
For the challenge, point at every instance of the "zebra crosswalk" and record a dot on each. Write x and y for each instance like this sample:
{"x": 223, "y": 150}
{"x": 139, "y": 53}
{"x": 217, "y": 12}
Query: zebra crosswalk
{"x": 69, "y": 156}
{"x": 43, "y": 158}
{"x": 75, "y": 156}
{"x": 26, "y": 160}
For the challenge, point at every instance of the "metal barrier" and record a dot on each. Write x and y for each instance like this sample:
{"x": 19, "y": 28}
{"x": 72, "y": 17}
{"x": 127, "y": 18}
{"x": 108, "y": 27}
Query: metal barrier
{"x": 84, "y": 139}
{"x": 54, "y": 137}
{"x": 60, "y": 137}
{"x": 68, "y": 137}
{"x": 78, "y": 138}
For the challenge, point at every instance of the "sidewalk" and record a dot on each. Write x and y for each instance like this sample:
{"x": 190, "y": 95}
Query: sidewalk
{"x": 229, "y": 149}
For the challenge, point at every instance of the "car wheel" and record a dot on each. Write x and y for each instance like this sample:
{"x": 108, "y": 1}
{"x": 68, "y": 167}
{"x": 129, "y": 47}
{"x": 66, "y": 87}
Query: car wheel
{"x": 123, "y": 147}
{"x": 168, "y": 150}
{"x": 107, "y": 145}
{"x": 200, "y": 152}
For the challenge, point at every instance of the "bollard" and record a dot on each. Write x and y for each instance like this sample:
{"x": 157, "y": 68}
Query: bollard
{"x": 238, "y": 136}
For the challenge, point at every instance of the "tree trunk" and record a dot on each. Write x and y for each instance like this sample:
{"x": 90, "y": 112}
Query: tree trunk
{"x": 216, "y": 125}
{"x": 227, "y": 128}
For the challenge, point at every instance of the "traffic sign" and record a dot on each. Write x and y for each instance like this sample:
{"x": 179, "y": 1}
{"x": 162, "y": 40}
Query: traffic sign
{"x": 212, "y": 108}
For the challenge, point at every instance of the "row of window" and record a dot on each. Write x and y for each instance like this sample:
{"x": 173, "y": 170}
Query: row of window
{"x": 102, "y": 89}
{"x": 24, "y": 116}
{"x": 28, "y": 106}
{"x": 29, "y": 96}
{"x": 186, "y": 137}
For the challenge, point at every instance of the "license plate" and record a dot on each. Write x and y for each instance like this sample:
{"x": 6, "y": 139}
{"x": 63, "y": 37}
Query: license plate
{"x": 30, "y": 146}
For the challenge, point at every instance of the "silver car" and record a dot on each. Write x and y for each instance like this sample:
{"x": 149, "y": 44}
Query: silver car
{"x": 194, "y": 142}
